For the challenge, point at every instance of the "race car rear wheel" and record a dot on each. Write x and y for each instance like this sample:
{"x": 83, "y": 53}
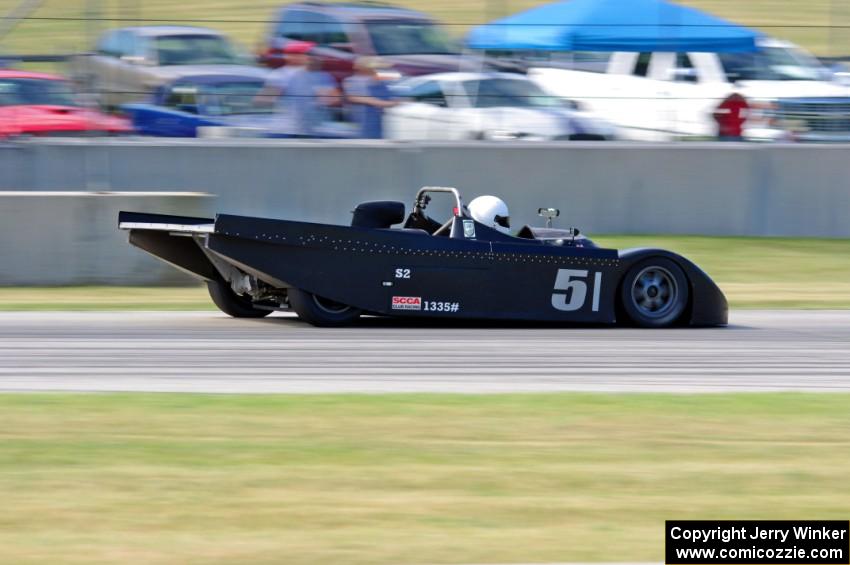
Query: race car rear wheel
{"x": 320, "y": 311}
{"x": 231, "y": 303}
{"x": 654, "y": 293}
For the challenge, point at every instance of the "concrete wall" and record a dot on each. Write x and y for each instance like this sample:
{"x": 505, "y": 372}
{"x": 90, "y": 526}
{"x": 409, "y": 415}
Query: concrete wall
{"x": 71, "y": 238}
{"x": 54, "y": 238}
{"x": 694, "y": 188}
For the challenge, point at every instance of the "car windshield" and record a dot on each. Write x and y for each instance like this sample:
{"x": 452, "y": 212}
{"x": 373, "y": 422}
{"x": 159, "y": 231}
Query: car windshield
{"x": 195, "y": 50}
{"x": 225, "y": 99}
{"x": 25, "y": 91}
{"x": 500, "y": 92}
{"x": 772, "y": 63}
{"x": 391, "y": 37}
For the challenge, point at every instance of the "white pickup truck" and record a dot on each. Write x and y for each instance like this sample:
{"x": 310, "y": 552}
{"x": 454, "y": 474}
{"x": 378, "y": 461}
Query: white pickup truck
{"x": 666, "y": 96}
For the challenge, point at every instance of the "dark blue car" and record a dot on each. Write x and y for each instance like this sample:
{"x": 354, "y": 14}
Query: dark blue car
{"x": 179, "y": 108}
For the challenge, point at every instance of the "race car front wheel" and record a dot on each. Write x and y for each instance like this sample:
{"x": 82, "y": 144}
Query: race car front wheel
{"x": 231, "y": 303}
{"x": 321, "y": 311}
{"x": 654, "y": 293}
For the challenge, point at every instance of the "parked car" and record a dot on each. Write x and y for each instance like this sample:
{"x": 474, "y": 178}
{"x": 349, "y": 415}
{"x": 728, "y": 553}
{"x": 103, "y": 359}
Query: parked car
{"x": 227, "y": 103}
{"x": 666, "y": 96}
{"x": 409, "y": 42}
{"x": 42, "y": 104}
{"x": 130, "y": 63}
{"x": 493, "y": 106}
{"x": 179, "y": 108}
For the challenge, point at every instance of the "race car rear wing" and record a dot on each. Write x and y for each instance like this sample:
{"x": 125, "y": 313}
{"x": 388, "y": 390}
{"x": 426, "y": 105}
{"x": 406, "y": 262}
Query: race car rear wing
{"x": 163, "y": 222}
{"x": 173, "y": 239}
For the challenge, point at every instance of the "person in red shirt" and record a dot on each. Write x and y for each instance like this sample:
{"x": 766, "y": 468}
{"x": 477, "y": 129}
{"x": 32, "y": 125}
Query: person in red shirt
{"x": 730, "y": 116}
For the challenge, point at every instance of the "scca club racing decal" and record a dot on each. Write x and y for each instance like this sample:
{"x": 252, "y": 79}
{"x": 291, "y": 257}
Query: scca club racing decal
{"x": 416, "y": 303}
{"x": 407, "y": 303}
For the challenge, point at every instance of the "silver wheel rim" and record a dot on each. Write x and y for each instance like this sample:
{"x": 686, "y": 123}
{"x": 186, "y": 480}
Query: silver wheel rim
{"x": 329, "y": 306}
{"x": 655, "y": 292}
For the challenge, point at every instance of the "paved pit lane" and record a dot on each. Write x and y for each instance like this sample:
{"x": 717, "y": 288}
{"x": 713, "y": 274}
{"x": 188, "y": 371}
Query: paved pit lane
{"x": 209, "y": 352}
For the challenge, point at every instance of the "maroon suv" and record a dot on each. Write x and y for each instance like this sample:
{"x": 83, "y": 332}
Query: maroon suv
{"x": 409, "y": 41}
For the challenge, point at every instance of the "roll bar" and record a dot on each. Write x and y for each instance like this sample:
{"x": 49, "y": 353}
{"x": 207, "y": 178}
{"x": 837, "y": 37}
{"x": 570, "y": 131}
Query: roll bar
{"x": 422, "y": 198}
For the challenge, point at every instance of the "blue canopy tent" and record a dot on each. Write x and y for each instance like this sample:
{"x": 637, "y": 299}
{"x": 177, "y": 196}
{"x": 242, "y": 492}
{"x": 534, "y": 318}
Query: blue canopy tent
{"x": 613, "y": 25}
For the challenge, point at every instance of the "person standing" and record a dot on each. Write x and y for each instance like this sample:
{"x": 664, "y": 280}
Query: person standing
{"x": 366, "y": 97}
{"x": 303, "y": 91}
{"x": 730, "y": 116}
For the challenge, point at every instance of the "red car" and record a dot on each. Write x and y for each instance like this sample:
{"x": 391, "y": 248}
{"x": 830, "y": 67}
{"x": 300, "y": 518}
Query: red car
{"x": 409, "y": 42}
{"x": 42, "y": 104}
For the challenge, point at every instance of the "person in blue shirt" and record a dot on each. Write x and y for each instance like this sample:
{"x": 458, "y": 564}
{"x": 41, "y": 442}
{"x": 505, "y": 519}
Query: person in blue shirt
{"x": 366, "y": 97}
{"x": 304, "y": 93}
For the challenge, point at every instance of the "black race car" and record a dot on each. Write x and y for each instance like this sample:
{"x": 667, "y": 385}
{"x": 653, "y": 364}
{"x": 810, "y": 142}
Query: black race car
{"x": 329, "y": 275}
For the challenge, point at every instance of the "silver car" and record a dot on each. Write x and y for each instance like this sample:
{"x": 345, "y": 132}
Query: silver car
{"x": 130, "y": 63}
{"x": 491, "y": 106}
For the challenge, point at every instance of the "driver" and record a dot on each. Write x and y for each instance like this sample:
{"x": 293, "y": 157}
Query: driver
{"x": 492, "y": 212}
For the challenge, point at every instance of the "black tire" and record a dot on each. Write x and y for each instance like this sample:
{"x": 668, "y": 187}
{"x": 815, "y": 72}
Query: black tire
{"x": 321, "y": 311}
{"x": 654, "y": 293}
{"x": 231, "y": 303}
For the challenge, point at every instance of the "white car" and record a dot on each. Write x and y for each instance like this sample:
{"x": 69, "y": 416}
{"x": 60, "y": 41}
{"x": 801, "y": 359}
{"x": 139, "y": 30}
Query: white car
{"x": 491, "y": 106}
{"x": 663, "y": 96}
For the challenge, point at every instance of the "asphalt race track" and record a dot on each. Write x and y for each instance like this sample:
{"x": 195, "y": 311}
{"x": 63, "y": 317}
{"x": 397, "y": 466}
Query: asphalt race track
{"x": 208, "y": 352}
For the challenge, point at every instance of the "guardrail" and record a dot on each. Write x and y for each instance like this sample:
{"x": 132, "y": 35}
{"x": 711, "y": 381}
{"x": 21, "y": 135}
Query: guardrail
{"x": 707, "y": 188}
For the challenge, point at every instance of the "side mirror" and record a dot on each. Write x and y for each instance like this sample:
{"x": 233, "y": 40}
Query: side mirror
{"x": 548, "y": 213}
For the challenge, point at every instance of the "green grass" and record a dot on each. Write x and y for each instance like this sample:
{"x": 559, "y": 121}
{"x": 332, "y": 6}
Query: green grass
{"x": 104, "y": 298}
{"x": 801, "y": 22}
{"x": 753, "y": 272}
{"x": 763, "y": 272}
{"x": 404, "y": 478}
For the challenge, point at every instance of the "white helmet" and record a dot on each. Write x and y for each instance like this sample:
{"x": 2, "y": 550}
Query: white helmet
{"x": 492, "y": 212}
